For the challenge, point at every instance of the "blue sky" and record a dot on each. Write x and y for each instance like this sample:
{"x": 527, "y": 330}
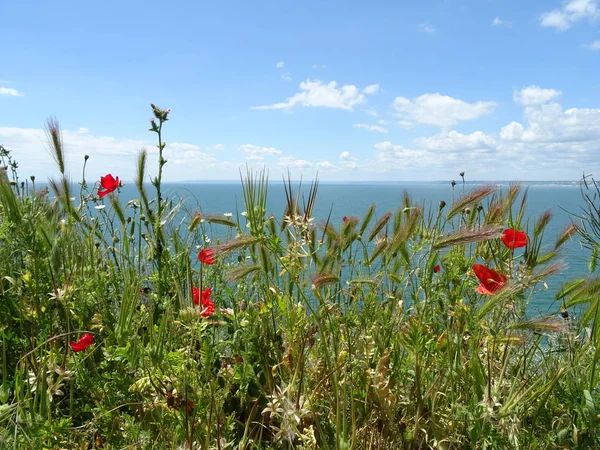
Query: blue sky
{"x": 353, "y": 90}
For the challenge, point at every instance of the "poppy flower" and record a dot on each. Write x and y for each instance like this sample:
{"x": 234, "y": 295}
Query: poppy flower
{"x": 344, "y": 219}
{"x": 207, "y": 304}
{"x": 207, "y": 256}
{"x": 514, "y": 239}
{"x": 491, "y": 281}
{"x": 84, "y": 342}
{"x": 108, "y": 184}
{"x": 436, "y": 269}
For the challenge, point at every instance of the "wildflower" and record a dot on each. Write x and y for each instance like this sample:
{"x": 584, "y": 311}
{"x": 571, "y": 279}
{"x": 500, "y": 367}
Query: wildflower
{"x": 100, "y": 207}
{"x": 514, "y": 239}
{"x": 109, "y": 184}
{"x": 491, "y": 281}
{"x": 436, "y": 269}
{"x": 228, "y": 215}
{"x": 84, "y": 342}
{"x": 344, "y": 219}
{"x": 204, "y": 297}
{"x": 207, "y": 256}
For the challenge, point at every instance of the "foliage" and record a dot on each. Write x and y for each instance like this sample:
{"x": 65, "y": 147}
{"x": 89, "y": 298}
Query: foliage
{"x": 370, "y": 332}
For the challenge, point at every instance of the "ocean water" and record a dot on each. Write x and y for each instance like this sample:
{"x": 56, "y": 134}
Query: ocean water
{"x": 560, "y": 198}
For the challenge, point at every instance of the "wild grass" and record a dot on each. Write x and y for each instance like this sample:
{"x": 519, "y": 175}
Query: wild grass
{"x": 362, "y": 333}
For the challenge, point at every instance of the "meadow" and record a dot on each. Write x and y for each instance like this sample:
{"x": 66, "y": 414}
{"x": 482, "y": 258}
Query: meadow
{"x": 130, "y": 326}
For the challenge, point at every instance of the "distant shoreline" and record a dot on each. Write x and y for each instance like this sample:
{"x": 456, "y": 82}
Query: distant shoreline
{"x": 397, "y": 183}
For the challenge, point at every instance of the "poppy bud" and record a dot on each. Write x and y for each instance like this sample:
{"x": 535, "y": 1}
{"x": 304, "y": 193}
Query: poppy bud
{"x": 467, "y": 210}
{"x": 32, "y": 178}
{"x": 442, "y": 204}
{"x": 462, "y": 174}
{"x": 86, "y": 157}
{"x": 453, "y": 183}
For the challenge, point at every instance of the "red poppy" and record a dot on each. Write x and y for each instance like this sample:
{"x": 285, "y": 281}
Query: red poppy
{"x": 436, "y": 269}
{"x": 109, "y": 184}
{"x": 344, "y": 219}
{"x": 207, "y": 304}
{"x": 207, "y": 256}
{"x": 491, "y": 281}
{"x": 514, "y": 239}
{"x": 84, "y": 342}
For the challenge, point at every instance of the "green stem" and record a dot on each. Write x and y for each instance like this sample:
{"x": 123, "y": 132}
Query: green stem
{"x": 157, "y": 224}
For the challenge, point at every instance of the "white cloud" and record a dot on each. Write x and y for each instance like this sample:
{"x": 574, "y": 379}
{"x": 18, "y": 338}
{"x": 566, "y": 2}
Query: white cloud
{"x": 370, "y": 127}
{"x": 348, "y": 161}
{"x": 535, "y": 95}
{"x": 498, "y": 22}
{"x": 427, "y": 28}
{"x": 318, "y": 94}
{"x": 292, "y": 162}
{"x": 440, "y": 110}
{"x": 512, "y": 132}
{"x": 549, "y": 123}
{"x": 194, "y": 157}
{"x": 255, "y": 152}
{"x": 107, "y": 155}
{"x": 390, "y": 157}
{"x": 217, "y": 147}
{"x": 286, "y": 76}
{"x": 10, "y": 91}
{"x": 319, "y": 66}
{"x": 371, "y": 89}
{"x": 594, "y": 45}
{"x": 551, "y": 143}
{"x": 346, "y": 156}
{"x": 327, "y": 166}
{"x": 571, "y": 11}
{"x": 280, "y": 65}
{"x": 372, "y": 112}
{"x": 455, "y": 141}
{"x": 183, "y": 146}
{"x": 30, "y": 149}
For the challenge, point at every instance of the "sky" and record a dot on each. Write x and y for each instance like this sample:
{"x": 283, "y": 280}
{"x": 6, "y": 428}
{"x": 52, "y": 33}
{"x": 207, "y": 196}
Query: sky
{"x": 344, "y": 90}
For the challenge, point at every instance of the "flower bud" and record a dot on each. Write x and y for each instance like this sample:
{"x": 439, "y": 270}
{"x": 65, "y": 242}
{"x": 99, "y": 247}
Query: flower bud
{"x": 442, "y": 204}
{"x": 453, "y": 183}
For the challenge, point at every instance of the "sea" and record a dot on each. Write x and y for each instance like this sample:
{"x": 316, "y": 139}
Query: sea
{"x": 336, "y": 200}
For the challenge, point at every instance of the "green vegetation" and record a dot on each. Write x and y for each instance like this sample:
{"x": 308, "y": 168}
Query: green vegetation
{"x": 400, "y": 329}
